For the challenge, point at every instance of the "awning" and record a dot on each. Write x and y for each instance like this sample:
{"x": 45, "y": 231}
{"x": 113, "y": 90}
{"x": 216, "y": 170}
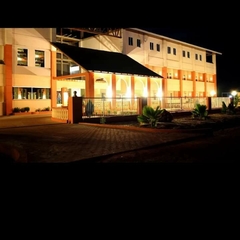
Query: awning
{"x": 104, "y": 61}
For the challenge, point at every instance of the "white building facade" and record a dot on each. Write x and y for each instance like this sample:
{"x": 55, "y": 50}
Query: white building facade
{"x": 32, "y": 70}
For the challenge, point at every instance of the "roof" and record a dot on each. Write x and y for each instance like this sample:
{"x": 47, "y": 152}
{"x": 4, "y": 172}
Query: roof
{"x": 104, "y": 61}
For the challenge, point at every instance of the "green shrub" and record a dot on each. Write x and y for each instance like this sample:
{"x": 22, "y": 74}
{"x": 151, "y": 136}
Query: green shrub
{"x": 150, "y": 116}
{"x": 27, "y": 109}
{"x": 89, "y": 108}
{"x": 200, "y": 111}
{"x": 16, "y": 110}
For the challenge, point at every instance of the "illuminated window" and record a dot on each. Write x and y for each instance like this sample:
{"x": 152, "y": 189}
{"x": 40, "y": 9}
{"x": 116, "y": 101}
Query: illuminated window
{"x": 138, "y": 43}
{"x": 31, "y": 93}
{"x": 151, "y": 46}
{"x": 130, "y": 41}
{"x": 39, "y": 58}
{"x": 22, "y": 57}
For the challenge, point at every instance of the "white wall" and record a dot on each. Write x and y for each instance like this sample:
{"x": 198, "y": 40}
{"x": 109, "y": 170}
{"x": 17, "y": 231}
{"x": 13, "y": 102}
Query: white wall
{"x": 102, "y": 42}
{"x": 32, "y": 104}
{"x": 27, "y": 80}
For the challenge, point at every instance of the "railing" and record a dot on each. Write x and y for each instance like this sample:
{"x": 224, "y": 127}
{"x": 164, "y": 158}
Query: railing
{"x": 112, "y": 106}
{"x": 130, "y": 106}
{"x": 60, "y": 113}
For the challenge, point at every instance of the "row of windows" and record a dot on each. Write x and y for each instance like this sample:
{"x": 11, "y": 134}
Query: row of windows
{"x": 22, "y": 57}
{"x": 169, "y": 49}
{"x": 184, "y": 53}
{"x": 151, "y": 46}
{"x": 31, "y": 93}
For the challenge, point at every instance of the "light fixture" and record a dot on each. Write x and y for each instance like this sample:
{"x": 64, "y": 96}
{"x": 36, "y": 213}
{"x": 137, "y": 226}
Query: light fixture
{"x": 100, "y": 80}
{"x": 234, "y": 93}
{"x": 212, "y": 93}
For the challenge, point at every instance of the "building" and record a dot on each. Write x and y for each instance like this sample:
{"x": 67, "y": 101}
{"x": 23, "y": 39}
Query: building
{"x": 42, "y": 67}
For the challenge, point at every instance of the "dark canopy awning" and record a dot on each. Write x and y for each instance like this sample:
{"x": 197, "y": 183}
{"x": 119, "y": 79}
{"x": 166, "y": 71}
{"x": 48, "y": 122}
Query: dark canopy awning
{"x": 104, "y": 61}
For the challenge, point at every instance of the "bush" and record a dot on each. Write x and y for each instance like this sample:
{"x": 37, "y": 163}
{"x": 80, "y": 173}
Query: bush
{"x": 200, "y": 111}
{"x": 16, "y": 110}
{"x": 27, "y": 109}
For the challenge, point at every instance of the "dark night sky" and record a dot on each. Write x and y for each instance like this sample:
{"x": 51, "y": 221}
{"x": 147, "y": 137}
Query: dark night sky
{"x": 218, "y": 39}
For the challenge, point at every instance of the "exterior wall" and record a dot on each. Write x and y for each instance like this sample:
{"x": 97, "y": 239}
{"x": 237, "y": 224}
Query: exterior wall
{"x": 118, "y": 85}
{"x": 32, "y": 104}
{"x": 156, "y": 61}
{"x": 29, "y": 76}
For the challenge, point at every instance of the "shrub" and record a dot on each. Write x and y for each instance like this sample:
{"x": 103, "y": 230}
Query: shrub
{"x": 200, "y": 111}
{"x": 150, "y": 116}
{"x": 27, "y": 109}
{"x": 16, "y": 110}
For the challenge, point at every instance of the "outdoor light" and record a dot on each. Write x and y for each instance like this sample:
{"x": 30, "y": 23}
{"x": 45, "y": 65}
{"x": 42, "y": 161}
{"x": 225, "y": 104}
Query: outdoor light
{"x": 212, "y": 93}
{"x": 234, "y": 93}
{"x": 102, "y": 80}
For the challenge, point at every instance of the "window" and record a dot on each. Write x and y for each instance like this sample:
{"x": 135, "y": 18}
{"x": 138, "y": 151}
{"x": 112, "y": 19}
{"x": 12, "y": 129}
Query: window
{"x": 196, "y": 56}
{"x": 31, "y": 93}
{"x": 151, "y": 46}
{"x": 39, "y": 58}
{"x": 188, "y": 54}
{"x": 168, "y": 50}
{"x": 65, "y": 66}
{"x": 130, "y": 41}
{"x": 138, "y": 43}
{"x": 158, "y": 47}
{"x": 200, "y": 57}
{"x": 174, "y": 51}
{"x": 183, "y": 53}
{"x": 22, "y": 57}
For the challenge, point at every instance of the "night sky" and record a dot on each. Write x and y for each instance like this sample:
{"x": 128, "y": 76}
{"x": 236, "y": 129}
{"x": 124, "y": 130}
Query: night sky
{"x": 217, "y": 39}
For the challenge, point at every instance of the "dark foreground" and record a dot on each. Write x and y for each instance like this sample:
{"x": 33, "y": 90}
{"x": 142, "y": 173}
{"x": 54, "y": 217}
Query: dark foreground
{"x": 37, "y": 139}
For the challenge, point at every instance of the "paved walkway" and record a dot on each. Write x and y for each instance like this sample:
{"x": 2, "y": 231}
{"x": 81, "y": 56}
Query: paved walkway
{"x": 39, "y": 139}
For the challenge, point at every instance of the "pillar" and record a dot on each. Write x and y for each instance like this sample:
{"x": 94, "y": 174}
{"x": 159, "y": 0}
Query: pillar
{"x": 180, "y": 83}
{"x": 205, "y": 84}
{"x": 53, "y": 82}
{"x": 89, "y": 84}
{"x": 113, "y": 92}
{"x": 74, "y": 109}
{"x": 8, "y": 79}
{"x": 193, "y": 76}
{"x": 149, "y": 91}
{"x": 132, "y": 92}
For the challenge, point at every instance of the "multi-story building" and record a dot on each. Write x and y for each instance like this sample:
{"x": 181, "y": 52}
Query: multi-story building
{"x": 41, "y": 67}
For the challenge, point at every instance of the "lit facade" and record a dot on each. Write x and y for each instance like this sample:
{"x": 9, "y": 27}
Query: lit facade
{"x": 35, "y": 74}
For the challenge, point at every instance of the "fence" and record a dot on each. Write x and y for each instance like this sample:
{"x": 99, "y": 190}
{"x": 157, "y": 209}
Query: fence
{"x": 130, "y": 106}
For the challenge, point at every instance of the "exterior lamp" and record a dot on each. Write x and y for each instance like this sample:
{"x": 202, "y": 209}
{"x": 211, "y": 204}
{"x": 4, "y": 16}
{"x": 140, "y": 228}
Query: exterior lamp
{"x": 234, "y": 93}
{"x": 212, "y": 93}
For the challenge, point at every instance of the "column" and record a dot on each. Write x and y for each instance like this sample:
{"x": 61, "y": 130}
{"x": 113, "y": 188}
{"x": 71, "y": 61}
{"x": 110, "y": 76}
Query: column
{"x": 205, "y": 84}
{"x": 8, "y": 79}
{"x": 53, "y": 82}
{"x": 89, "y": 84}
{"x": 193, "y": 76}
{"x": 113, "y": 92}
{"x": 180, "y": 83}
{"x": 132, "y": 92}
